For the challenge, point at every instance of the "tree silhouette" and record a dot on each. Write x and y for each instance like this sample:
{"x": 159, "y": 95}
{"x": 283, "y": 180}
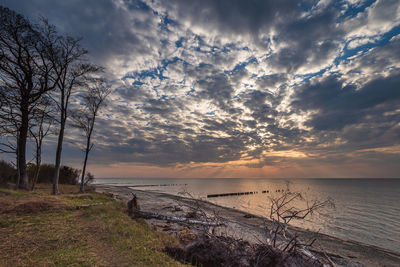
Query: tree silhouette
{"x": 26, "y": 74}
{"x": 85, "y": 117}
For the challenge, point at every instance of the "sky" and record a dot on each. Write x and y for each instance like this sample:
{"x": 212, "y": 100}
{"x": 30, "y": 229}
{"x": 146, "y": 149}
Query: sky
{"x": 230, "y": 88}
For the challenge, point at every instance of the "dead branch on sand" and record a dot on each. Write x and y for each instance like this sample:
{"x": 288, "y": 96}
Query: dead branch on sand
{"x": 282, "y": 211}
{"x": 135, "y": 212}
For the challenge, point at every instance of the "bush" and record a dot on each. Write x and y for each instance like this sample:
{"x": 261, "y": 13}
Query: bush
{"x": 7, "y": 173}
{"x": 68, "y": 175}
{"x": 89, "y": 178}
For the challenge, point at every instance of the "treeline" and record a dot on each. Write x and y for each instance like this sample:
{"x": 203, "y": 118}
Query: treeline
{"x": 47, "y": 84}
{"x": 68, "y": 175}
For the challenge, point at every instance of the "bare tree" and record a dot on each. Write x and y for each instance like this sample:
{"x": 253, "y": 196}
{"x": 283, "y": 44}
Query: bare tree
{"x": 39, "y": 130}
{"x": 8, "y": 130}
{"x": 85, "y": 117}
{"x": 286, "y": 208}
{"x": 25, "y": 76}
{"x": 70, "y": 71}
{"x": 9, "y": 138}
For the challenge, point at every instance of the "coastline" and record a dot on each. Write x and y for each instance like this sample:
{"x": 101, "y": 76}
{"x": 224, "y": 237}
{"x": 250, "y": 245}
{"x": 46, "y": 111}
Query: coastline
{"x": 249, "y": 228}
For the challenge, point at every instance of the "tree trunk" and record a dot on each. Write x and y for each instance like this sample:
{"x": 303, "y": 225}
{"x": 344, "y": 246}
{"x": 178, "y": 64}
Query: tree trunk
{"x": 38, "y": 163}
{"x": 84, "y": 164}
{"x": 17, "y": 163}
{"x": 84, "y": 170}
{"x": 23, "y": 134}
{"x": 58, "y": 157}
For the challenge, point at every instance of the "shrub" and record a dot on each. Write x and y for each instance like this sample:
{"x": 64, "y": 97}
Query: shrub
{"x": 7, "y": 173}
{"x": 89, "y": 178}
{"x": 68, "y": 175}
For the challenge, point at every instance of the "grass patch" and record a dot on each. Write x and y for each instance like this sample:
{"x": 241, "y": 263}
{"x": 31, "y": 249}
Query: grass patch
{"x": 11, "y": 192}
{"x": 102, "y": 235}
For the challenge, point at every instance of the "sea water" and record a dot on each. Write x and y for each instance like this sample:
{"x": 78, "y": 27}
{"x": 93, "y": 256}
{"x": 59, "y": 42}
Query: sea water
{"x": 366, "y": 210}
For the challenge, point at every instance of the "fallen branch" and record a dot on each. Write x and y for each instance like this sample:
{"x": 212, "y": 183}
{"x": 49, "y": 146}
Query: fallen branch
{"x": 198, "y": 210}
{"x": 308, "y": 254}
{"x": 135, "y": 212}
{"x": 154, "y": 215}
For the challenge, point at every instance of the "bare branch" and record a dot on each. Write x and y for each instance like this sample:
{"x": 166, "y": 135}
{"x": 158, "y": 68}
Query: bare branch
{"x": 84, "y": 118}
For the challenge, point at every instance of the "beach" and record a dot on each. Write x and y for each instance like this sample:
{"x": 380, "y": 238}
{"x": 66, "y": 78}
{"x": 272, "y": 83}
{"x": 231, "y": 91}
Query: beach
{"x": 241, "y": 225}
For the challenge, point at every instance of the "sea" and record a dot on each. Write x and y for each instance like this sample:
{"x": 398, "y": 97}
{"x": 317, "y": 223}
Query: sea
{"x": 365, "y": 210}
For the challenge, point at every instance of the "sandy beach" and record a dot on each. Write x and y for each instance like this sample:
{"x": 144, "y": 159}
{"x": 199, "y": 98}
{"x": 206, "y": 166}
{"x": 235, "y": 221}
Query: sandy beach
{"x": 247, "y": 227}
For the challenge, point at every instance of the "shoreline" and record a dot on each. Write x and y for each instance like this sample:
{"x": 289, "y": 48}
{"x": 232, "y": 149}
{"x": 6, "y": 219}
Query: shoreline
{"x": 250, "y": 228}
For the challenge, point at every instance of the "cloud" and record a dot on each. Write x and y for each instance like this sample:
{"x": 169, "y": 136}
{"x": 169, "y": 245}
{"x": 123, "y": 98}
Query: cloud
{"x": 338, "y": 106}
{"x": 377, "y": 19}
{"x": 246, "y": 83}
{"x": 233, "y": 17}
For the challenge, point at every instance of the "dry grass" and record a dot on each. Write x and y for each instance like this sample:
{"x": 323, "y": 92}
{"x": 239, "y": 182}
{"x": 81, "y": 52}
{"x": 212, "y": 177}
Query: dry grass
{"x": 38, "y": 229}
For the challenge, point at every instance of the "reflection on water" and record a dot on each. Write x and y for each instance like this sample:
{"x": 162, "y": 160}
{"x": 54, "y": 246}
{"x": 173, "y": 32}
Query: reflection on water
{"x": 366, "y": 210}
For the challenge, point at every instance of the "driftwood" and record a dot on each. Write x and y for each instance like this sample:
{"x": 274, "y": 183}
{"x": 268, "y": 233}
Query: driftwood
{"x": 135, "y": 212}
{"x": 154, "y": 215}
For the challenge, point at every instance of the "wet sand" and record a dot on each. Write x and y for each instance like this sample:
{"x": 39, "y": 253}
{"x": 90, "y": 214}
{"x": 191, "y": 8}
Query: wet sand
{"x": 247, "y": 227}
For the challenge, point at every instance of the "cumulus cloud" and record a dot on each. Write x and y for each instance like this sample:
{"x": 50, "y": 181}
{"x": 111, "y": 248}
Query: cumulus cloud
{"x": 259, "y": 83}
